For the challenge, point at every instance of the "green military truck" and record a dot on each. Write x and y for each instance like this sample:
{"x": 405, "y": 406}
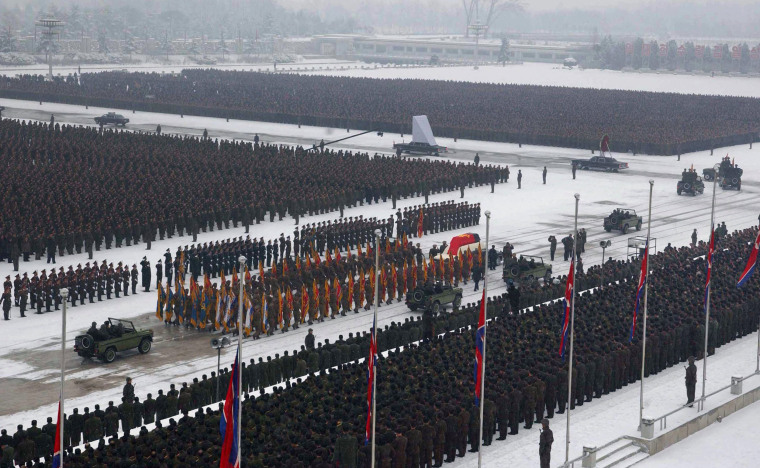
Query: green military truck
{"x": 123, "y": 338}
{"x": 526, "y": 267}
{"x": 434, "y": 299}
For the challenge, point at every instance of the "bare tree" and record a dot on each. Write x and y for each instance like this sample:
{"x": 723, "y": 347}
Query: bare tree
{"x": 497, "y": 7}
{"x": 469, "y": 8}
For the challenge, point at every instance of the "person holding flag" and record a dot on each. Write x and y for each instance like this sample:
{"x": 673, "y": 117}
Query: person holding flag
{"x": 160, "y": 302}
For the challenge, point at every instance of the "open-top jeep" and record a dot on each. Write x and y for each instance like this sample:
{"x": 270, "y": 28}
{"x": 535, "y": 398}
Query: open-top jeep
{"x": 526, "y": 267}
{"x": 123, "y": 336}
{"x": 434, "y": 299}
{"x": 622, "y": 219}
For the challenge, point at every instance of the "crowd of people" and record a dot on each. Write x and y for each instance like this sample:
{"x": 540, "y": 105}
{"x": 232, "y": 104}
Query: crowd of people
{"x": 570, "y": 117}
{"x": 425, "y": 391}
{"x": 79, "y": 189}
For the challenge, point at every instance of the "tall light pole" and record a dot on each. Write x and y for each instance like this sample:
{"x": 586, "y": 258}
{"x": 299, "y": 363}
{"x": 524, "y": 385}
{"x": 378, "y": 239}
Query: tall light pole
{"x": 483, "y": 361}
{"x": 374, "y": 337}
{"x": 707, "y": 297}
{"x": 241, "y": 279}
{"x": 646, "y": 295}
{"x": 65, "y": 295}
{"x": 603, "y": 244}
{"x": 477, "y": 27}
{"x": 572, "y": 326}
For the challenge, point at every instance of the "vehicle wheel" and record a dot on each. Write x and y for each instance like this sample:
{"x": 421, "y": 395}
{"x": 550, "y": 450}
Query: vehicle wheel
{"x": 436, "y": 153}
{"x": 418, "y": 295}
{"x": 87, "y": 341}
{"x": 413, "y": 307}
{"x": 625, "y": 228}
{"x": 436, "y": 308}
{"x": 686, "y": 186}
{"x": 457, "y": 301}
{"x": 608, "y": 229}
{"x": 678, "y": 191}
{"x": 707, "y": 177}
{"x": 514, "y": 271}
{"x": 739, "y": 186}
{"x": 145, "y": 345}
{"x": 613, "y": 220}
{"x": 638, "y": 226}
{"x": 584, "y": 168}
{"x": 110, "y": 355}
{"x": 615, "y": 171}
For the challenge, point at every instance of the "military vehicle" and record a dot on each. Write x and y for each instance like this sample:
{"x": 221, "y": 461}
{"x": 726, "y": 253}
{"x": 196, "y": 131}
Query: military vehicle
{"x": 423, "y": 141}
{"x": 434, "y": 299}
{"x": 725, "y": 164}
{"x": 112, "y": 118}
{"x": 622, "y": 219}
{"x": 732, "y": 179}
{"x": 124, "y": 337}
{"x": 600, "y": 163}
{"x": 690, "y": 183}
{"x": 526, "y": 267}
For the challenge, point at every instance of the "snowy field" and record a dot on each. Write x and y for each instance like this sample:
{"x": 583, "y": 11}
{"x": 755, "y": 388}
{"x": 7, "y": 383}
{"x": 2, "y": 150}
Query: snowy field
{"x": 29, "y": 357}
{"x": 549, "y": 74}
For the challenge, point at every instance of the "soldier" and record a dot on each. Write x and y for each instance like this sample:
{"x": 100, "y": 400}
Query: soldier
{"x": 519, "y": 178}
{"x": 161, "y": 411}
{"x": 414, "y": 442}
{"x": 146, "y": 272}
{"x": 73, "y": 428}
{"x": 545, "y": 444}
{"x": 346, "y": 449}
{"x": 93, "y": 428}
{"x": 133, "y": 277}
{"x": 691, "y": 382}
{"x": 149, "y": 409}
{"x": 552, "y": 246}
{"x": 543, "y": 174}
{"x": 5, "y": 300}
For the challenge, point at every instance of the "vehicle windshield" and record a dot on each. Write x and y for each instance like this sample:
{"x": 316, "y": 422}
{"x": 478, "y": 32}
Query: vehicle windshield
{"x": 126, "y": 324}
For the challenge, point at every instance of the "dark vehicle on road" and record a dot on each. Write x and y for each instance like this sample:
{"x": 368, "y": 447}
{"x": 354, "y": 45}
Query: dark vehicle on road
{"x": 622, "y": 219}
{"x": 526, "y": 267}
{"x": 123, "y": 337}
{"x": 725, "y": 166}
{"x": 419, "y": 148}
{"x": 600, "y": 163}
{"x": 434, "y": 299}
{"x": 732, "y": 179}
{"x": 690, "y": 183}
{"x": 112, "y": 118}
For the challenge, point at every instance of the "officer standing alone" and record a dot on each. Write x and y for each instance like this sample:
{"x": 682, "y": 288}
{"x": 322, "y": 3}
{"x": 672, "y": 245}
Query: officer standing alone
{"x": 691, "y": 382}
{"x": 545, "y": 444}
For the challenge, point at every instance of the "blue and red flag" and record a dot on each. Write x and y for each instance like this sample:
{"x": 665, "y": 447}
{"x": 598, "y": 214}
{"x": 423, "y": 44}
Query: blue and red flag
{"x": 709, "y": 266}
{"x": 751, "y": 263}
{"x": 228, "y": 425}
{"x": 57, "y": 446}
{"x": 569, "y": 285}
{"x": 480, "y": 338}
{"x": 371, "y": 363}
{"x": 640, "y": 290}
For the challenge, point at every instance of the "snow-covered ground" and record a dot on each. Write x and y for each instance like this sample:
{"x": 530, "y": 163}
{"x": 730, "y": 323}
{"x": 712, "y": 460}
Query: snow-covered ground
{"x": 29, "y": 357}
{"x": 555, "y": 75}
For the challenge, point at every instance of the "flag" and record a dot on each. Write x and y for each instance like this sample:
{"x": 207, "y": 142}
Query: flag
{"x": 261, "y": 270}
{"x": 248, "y": 311}
{"x": 304, "y": 303}
{"x": 274, "y": 269}
{"x": 751, "y": 263}
{"x": 337, "y": 254}
{"x": 234, "y": 277}
{"x": 264, "y": 314}
{"x": 419, "y": 225}
{"x": 316, "y": 257}
{"x": 285, "y": 266}
{"x": 359, "y": 249}
{"x": 362, "y": 285}
{"x": 640, "y": 290}
{"x": 160, "y": 302}
{"x": 228, "y": 424}
{"x": 169, "y": 301}
{"x": 57, "y": 450}
{"x": 279, "y": 307}
{"x": 568, "y": 300}
{"x": 220, "y": 297}
{"x": 193, "y": 301}
{"x": 181, "y": 293}
{"x": 369, "y": 248}
{"x": 709, "y": 266}
{"x": 350, "y": 291}
{"x": 424, "y": 269}
{"x": 289, "y": 298}
{"x": 298, "y": 263}
{"x": 247, "y": 276}
{"x": 328, "y": 257}
{"x": 480, "y": 339}
{"x": 371, "y": 363}
{"x": 338, "y": 291}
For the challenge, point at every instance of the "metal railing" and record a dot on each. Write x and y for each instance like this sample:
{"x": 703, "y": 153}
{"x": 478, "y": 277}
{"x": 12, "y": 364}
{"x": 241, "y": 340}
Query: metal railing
{"x": 700, "y": 402}
{"x": 571, "y": 463}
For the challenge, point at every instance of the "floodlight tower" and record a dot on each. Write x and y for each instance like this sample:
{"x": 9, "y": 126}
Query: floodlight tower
{"x": 51, "y": 28}
{"x": 478, "y": 28}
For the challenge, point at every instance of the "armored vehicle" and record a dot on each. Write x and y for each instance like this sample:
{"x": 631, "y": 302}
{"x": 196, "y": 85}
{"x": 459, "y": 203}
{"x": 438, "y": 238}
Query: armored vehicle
{"x": 690, "y": 183}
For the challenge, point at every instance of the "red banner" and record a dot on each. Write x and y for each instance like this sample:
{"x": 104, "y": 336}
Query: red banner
{"x": 754, "y": 54}
{"x": 736, "y": 52}
{"x": 645, "y": 50}
{"x": 663, "y": 50}
{"x": 681, "y": 51}
{"x": 718, "y": 52}
{"x": 699, "y": 51}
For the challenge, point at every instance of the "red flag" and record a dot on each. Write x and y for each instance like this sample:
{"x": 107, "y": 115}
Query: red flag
{"x": 480, "y": 340}
{"x": 751, "y": 263}
{"x": 371, "y": 363}
{"x": 568, "y": 300}
{"x": 419, "y": 225}
{"x": 228, "y": 423}
{"x": 640, "y": 290}
{"x": 57, "y": 452}
{"x": 710, "y": 251}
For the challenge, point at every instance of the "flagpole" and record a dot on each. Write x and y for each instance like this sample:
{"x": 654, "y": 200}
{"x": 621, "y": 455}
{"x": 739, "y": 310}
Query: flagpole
{"x": 241, "y": 279}
{"x": 646, "y": 292}
{"x": 707, "y": 299}
{"x": 485, "y": 329}
{"x": 572, "y": 322}
{"x": 374, "y": 338}
{"x": 65, "y": 295}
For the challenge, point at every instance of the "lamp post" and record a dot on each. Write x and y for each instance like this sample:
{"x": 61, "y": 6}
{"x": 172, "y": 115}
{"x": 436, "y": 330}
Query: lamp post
{"x": 374, "y": 339}
{"x": 477, "y": 27}
{"x": 218, "y": 344}
{"x": 603, "y": 244}
{"x": 701, "y": 403}
{"x": 65, "y": 295}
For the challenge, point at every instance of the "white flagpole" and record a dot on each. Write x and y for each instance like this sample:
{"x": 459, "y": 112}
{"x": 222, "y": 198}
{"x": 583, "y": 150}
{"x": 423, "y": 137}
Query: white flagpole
{"x": 65, "y": 295}
{"x": 646, "y": 292}
{"x": 485, "y": 329}
{"x": 707, "y": 300}
{"x": 241, "y": 280}
{"x": 374, "y": 338}
{"x": 572, "y": 322}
